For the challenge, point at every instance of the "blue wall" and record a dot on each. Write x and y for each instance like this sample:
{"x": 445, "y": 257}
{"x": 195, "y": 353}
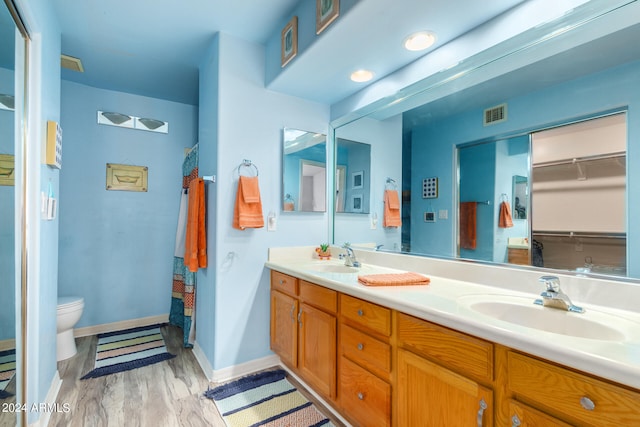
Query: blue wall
{"x": 241, "y": 120}
{"x": 7, "y": 223}
{"x": 433, "y": 145}
{"x": 116, "y": 247}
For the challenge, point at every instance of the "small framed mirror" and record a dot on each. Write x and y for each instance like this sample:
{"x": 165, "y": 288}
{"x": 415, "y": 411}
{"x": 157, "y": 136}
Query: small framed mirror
{"x": 520, "y": 197}
{"x": 304, "y": 171}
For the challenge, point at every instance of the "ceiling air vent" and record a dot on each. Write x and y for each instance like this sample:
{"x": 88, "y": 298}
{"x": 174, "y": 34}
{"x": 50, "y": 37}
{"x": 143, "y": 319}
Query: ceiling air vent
{"x": 495, "y": 114}
{"x": 71, "y": 63}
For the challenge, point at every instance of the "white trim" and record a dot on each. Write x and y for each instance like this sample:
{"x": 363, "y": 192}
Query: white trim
{"x": 118, "y": 326}
{"x": 202, "y": 360}
{"x": 250, "y": 367}
{"x": 49, "y": 405}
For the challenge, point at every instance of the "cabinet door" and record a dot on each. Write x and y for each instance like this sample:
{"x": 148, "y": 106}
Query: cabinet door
{"x": 430, "y": 395}
{"x": 317, "y": 349}
{"x": 284, "y": 329}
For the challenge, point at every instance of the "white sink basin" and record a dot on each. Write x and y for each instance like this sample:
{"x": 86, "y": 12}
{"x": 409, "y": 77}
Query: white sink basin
{"x": 521, "y": 311}
{"x": 333, "y": 268}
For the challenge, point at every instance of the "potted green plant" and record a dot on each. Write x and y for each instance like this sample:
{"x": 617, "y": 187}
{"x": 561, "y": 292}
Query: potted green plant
{"x": 323, "y": 251}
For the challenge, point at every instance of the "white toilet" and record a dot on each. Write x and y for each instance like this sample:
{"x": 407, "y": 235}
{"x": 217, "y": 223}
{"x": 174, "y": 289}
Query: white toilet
{"x": 69, "y": 312}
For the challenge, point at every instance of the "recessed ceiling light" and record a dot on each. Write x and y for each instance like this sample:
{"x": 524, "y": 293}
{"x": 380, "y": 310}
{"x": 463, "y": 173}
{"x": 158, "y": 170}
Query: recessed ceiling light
{"x": 361, "y": 76}
{"x": 419, "y": 41}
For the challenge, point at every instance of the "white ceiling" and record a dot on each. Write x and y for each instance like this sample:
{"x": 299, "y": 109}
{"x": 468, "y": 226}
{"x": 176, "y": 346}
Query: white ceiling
{"x": 154, "y": 47}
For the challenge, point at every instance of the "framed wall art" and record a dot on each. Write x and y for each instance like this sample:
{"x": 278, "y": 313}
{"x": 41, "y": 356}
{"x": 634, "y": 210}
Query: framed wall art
{"x": 289, "y": 41}
{"x": 127, "y": 177}
{"x": 357, "y": 180}
{"x": 7, "y": 169}
{"x": 326, "y": 12}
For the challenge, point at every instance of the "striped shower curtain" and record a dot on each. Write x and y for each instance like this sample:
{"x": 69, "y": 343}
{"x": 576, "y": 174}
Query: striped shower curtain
{"x": 183, "y": 296}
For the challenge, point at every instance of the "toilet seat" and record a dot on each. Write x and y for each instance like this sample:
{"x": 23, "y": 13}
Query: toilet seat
{"x": 68, "y": 302}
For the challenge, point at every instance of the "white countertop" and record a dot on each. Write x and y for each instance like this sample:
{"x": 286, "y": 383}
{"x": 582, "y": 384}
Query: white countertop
{"x": 442, "y": 302}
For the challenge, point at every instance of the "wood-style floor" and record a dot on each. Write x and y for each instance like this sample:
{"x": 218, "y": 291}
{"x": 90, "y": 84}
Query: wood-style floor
{"x": 168, "y": 393}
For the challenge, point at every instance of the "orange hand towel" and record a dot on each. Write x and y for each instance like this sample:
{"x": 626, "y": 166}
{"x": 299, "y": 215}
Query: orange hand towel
{"x": 195, "y": 248}
{"x": 391, "y": 209}
{"x": 247, "y": 212}
{"x": 394, "y": 279}
{"x": 505, "y": 220}
{"x": 468, "y": 225}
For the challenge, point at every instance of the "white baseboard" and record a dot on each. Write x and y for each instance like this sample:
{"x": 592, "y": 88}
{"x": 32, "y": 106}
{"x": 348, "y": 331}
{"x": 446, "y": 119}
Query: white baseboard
{"x": 118, "y": 326}
{"x": 232, "y": 372}
{"x": 202, "y": 361}
{"x": 250, "y": 367}
{"x": 46, "y": 408}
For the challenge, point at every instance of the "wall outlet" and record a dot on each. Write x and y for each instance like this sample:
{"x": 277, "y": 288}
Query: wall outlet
{"x": 429, "y": 217}
{"x": 443, "y": 214}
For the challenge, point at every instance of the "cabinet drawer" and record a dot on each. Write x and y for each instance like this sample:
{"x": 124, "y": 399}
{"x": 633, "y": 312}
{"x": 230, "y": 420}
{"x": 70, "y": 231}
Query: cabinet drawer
{"x": 564, "y": 393}
{"x": 369, "y": 315}
{"x": 284, "y": 283}
{"x": 319, "y": 297}
{"x": 365, "y": 398}
{"x": 462, "y": 353}
{"x": 522, "y": 415}
{"x": 365, "y": 350}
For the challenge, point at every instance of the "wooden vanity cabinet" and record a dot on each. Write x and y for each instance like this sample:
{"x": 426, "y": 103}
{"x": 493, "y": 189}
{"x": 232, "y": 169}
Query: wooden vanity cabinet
{"x": 304, "y": 330}
{"x": 518, "y": 256}
{"x": 380, "y": 367}
{"x": 284, "y": 309}
{"x": 440, "y": 376}
{"x": 570, "y": 396}
{"x": 365, "y": 362}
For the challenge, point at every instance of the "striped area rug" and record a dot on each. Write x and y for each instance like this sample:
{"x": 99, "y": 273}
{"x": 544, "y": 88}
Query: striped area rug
{"x": 7, "y": 371}
{"x": 265, "y": 399}
{"x": 129, "y": 349}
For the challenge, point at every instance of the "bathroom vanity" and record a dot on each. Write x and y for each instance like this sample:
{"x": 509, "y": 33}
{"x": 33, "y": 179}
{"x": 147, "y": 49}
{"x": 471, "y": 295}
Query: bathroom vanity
{"x": 427, "y": 355}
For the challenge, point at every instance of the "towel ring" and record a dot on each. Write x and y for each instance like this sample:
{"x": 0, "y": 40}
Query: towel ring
{"x": 391, "y": 184}
{"x": 247, "y": 164}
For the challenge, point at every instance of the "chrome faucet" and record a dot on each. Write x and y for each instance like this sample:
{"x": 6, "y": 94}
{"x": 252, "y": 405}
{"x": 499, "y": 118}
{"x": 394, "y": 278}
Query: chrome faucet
{"x": 350, "y": 257}
{"x": 554, "y": 297}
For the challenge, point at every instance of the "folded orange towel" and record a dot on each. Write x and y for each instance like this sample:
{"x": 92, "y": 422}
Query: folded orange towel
{"x": 391, "y": 209}
{"x": 195, "y": 247}
{"x": 394, "y": 279}
{"x": 247, "y": 212}
{"x": 505, "y": 220}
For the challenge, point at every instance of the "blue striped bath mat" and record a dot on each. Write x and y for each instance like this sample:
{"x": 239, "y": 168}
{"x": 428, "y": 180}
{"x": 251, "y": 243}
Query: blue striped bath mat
{"x": 129, "y": 349}
{"x": 265, "y": 399}
{"x": 7, "y": 371}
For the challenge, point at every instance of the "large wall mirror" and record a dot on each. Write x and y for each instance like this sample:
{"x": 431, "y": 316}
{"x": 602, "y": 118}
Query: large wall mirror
{"x": 304, "y": 171}
{"x": 558, "y": 95}
{"x": 12, "y": 77}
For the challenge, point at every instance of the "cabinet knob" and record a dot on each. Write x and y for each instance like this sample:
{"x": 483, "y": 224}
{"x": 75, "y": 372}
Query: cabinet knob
{"x": 360, "y": 313}
{"x": 587, "y": 403}
{"x": 360, "y": 346}
{"x": 282, "y": 281}
{"x": 361, "y": 396}
{"x": 515, "y": 421}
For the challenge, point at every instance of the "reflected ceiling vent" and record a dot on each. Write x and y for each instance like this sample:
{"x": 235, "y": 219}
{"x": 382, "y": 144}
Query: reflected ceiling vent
{"x": 132, "y": 122}
{"x": 7, "y": 102}
{"x": 497, "y": 114}
{"x": 71, "y": 63}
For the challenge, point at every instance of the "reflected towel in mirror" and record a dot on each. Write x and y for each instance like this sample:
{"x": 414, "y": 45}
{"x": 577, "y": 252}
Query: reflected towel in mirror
{"x": 391, "y": 209}
{"x": 505, "y": 220}
{"x": 468, "y": 225}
